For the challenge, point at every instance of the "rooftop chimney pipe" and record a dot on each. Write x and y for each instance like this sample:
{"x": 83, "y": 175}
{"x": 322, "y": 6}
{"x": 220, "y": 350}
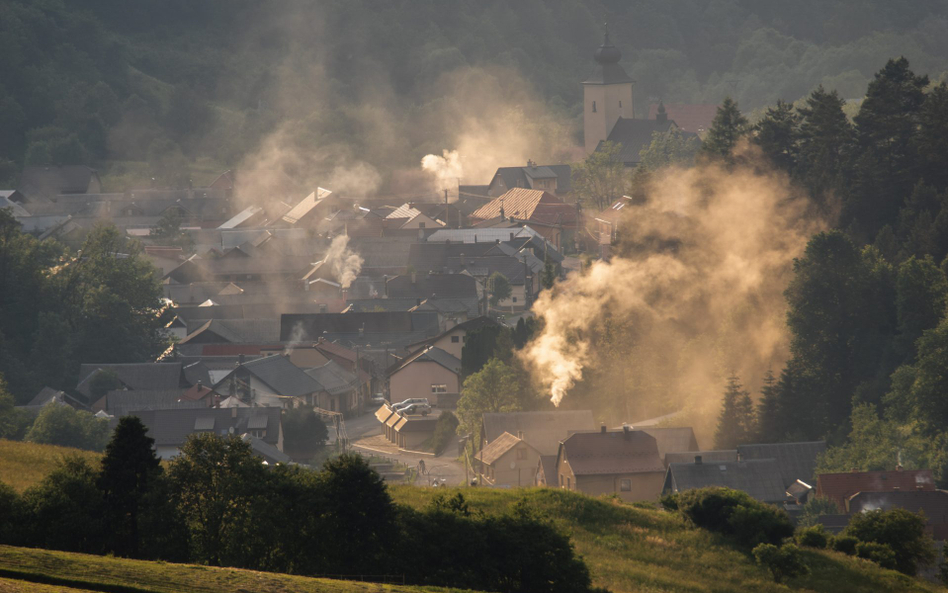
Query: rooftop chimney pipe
{"x": 697, "y": 460}
{"x": 602, "y": 429}
{"x": 626, "y": 432}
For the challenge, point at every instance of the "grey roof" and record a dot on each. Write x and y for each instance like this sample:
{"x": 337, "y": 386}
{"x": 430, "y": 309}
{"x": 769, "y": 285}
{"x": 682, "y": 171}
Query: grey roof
{"x": 311, "y": 327}
{"x": 672, "y": 439}
{"x": 383, "y": 304}
{"x": 135, "y": 375}
{"x": 197, "y": 371}
{"x": 470, "y": 306}
{"x": 760, "y": 478}
{"x": 517, "y": 176}
{"x": 607, "y": 453}
{"x": 51, "y": 181}
{"x": 794, "y": 460}
{"x": 172, "y": 427}
{"x": 18, "y": 210}
{"x": 45, "y": 395}
{"x": 124, "y": 403}
{"x": 431, "y": 354}
{"x": 281, "y": 375}
{"x": 235, "y": 331}
{"x": 264, "y": 449}
{"x": 635, "y": 135}
{"x": 543, "y": 430}
{"x": 706, "y": 456}
{"x": 469, "y": 326}
{"x": 334, "y": 378}
{"x": 426, "y": 285}
{"x": 383, "y": 254}
{"x": 487, "y": 235}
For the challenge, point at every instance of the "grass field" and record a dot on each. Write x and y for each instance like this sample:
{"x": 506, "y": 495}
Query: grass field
{"x": 634, "y": 549}
{"x": 24, "y": 464}
{"x": 98, "y": 572}
{"x": 627, "y": 549}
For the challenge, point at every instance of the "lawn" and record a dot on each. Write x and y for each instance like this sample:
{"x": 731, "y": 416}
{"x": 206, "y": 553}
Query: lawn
{"x": 98, "y": 572}
{"x": 24, "y": 464}
{"x": 640, "y": 549}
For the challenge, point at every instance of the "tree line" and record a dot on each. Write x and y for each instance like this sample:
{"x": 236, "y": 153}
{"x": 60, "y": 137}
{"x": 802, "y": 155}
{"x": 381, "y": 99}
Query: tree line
{"x": 217, "y": 504}
{"x": 867, "y": 301}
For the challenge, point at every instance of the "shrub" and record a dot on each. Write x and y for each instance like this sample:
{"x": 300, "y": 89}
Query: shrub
{"x": 9, "y": 514}
{"x": 445, "y": 432}
{"x": 736, "y": 514}
{"x": 845, "y": 544}
{"x": 881, "y": 554}
{"x": 814, "y": 508}
{"x": 784, "y": 562}
{"x": 812, "y": 537}
{"x": 901, "y": 530}
{"x": 67, "y": 427}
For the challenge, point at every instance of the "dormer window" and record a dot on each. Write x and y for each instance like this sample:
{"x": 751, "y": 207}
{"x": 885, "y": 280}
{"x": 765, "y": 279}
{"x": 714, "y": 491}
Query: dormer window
{"x": 594, "y": 107}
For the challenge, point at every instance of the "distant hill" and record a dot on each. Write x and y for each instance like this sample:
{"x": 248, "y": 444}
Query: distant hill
{"x": 171, "y": 89}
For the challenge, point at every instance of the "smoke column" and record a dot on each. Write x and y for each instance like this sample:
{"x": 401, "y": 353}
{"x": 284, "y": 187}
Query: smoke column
{"x": 698, "y": 275}
{"x": 345, "y": 263}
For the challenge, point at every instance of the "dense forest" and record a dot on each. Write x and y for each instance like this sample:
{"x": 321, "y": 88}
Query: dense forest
{"x": 170, "y": 89}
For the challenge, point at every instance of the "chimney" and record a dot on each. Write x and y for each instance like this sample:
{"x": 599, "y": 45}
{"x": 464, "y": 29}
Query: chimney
{"x": 462, "y": 260}
{"x": 626, "y": 432}
{"x": 697, "y": 460}
{"x": 240, "y": 359}
{"x": 520, "y": 434}
{"x": 200, "y": 386}
{"x": 602, "y": 429}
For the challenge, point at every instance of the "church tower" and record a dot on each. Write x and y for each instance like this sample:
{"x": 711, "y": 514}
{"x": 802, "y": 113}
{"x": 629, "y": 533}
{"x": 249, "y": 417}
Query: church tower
{"x": 607, "y": 95}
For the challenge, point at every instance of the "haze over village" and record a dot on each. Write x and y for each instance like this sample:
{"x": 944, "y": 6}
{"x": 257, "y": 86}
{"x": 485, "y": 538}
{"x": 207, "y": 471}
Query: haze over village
{"x": 353, "y": 299}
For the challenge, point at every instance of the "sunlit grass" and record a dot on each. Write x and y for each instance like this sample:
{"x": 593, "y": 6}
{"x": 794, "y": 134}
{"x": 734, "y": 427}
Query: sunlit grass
{"x": 24, "y": 464}
{"x": 640, "y": 549}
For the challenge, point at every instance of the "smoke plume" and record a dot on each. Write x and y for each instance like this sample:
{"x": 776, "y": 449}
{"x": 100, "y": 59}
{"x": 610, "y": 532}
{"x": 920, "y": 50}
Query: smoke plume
{"x": 344, "y": 263}
{"x": 693, "y": 293}
{"x": 446, "y": 169}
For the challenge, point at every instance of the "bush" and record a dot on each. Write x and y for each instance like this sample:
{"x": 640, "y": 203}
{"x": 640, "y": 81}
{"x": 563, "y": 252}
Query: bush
{"x": 735, "y": 514}
{"x": 445, "y": 432}
{"x": 67, "y": 427}
{"x": 845, "y": 544}
{"x": 901, "y": 530}
{"x": 783, "y": 563}
{"x": 812, "y": 537}
{"x": 9, "y": 514}
{"x": 881, "y": 554}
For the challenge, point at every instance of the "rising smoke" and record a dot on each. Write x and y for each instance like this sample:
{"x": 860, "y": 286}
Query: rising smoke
{"x": 344, "y": 263}
{"x": 695, "y": 290}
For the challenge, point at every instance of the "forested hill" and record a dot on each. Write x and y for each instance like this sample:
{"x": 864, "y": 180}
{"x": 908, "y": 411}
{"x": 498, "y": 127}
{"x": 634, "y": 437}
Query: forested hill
{"x": 168, "y": 81}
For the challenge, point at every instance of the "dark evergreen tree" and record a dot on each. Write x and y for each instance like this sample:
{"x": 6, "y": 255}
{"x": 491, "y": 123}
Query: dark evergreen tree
{"x": 129, "y": 470}
{"x": 882, "y": 173}
{"x": 921, "y": 298}
{"x": 479, "y": 347}
{"x": 776, "y": 135}
{"x": 825, "y": 140}
{"x": 768, "y": 411}
{"x": 931, "y": 138}
{"x": 736, "y": 421}
{"x": 728, "y": 126}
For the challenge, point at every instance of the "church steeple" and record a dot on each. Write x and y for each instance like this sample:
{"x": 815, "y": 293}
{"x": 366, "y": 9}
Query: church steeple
{"x": 607, "y": 94}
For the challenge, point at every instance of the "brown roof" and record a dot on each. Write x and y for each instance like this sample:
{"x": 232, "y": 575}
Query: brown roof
{"x": 690, "y": 118}
{"x": 620, "y": 452}
{"x": 499, "y": 447}
{"x": 306, "y": 205}
{"x": 839, "y": 487}
{"x": 543, "y": 430}
{"x": 528, "y": 204}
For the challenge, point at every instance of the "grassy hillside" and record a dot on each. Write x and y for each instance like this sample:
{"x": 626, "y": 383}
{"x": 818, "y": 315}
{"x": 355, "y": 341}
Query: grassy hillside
{"x": 637, "y": 549}
{"x": 24, "y": 464}
{"x": 99, "y": 572}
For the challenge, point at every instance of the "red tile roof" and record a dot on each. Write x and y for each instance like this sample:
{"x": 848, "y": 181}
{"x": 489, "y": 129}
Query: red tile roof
{"x": 528, "y": 204}
{"x": 690, "y": 118}
{"x": 839, "y": 487}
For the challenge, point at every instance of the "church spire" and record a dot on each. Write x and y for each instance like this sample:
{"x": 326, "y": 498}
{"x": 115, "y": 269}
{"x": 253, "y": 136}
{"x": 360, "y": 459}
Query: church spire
{"x": 607, "y": 53}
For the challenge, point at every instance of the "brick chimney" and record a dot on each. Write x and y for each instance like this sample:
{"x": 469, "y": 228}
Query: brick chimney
{"x": 602, "y": 429}
{"x": 697, "y": 460}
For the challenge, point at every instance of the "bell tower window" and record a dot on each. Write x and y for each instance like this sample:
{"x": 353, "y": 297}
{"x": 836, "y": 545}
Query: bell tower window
{"x": 594, "y": 107}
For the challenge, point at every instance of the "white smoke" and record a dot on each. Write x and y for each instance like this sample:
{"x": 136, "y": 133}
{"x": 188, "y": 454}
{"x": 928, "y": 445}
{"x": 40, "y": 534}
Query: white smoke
{"x": 344, "y": 263}
{"x": 446, "y": 169}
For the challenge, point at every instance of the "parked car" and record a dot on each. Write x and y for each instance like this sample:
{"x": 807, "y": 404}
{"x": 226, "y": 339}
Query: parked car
{"x": 423, "y": 409}
{"x": 410, "y": 401}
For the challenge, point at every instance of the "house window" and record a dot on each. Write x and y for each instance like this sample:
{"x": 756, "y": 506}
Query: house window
{"x": 515, "y": 299}
{"x": 439, "y": 388}
{"x": 568, "y": 486}
{"x": 594, "y": 107}
{"x": 625, "y": 485}
{"x": 421, "y": 225}
{"x": 259, "y": 433}
{"x": 561, "y": 481}
{"x": 464, "y": 338}
{"x": 455, "y": 339}
{"x": 620, "y": 104}
{"x": 521, "y": 453}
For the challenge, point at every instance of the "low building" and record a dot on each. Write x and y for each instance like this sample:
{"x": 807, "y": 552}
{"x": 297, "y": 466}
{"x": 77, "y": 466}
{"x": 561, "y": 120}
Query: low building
{"x": 795, "y": 461}
{"x": 430, "y": 372}
{"x": 724, "y": 456}
{"x": 672, "y": 439}
{"x": 406, "y": 431}
{"x": 266, "y": 381}
{"x": 543, "y": 430}
{"x": 624, "y": 463}
{"x": 932, "y": 503}
{"x": 171, "y": 428}
{"x": 508, "y": 461}
{"x": 839, "y": 487}
{"x": 760, "y": 478}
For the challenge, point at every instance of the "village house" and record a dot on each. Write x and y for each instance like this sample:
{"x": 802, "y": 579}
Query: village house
{"x": 272, "y": 381}
{"x": 795, "y": 461}
{"x": 430, "y": 372}
{"x": 672, "y": 439}
{"x": 554, "y": 179}
{"x": 624, "y": 463}
{"x": 547, "y": 214}
{"x": 508, "y": 461}
{"x": 542, "y": 430}
{"x": 171, "y": 427}
{"x": 406, "y": 431}
{"x": 839, "y": 487}
{"x": 452, "y": 341}
{"x": 760, "y": 478}
{"x": 932, "y": 503}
